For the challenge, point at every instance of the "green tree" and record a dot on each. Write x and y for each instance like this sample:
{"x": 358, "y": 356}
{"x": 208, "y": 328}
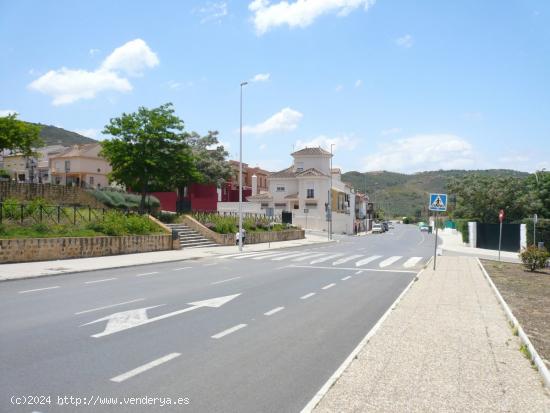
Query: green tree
{"x": 210, "y": 158}
{"x": 149, "y": 149}
{"x": 539, "y": 184}
{"x": 19, "y": 136}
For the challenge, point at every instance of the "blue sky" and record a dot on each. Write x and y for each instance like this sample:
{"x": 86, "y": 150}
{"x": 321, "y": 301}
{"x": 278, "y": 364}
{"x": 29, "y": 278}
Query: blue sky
{"x": 394, "y": 84}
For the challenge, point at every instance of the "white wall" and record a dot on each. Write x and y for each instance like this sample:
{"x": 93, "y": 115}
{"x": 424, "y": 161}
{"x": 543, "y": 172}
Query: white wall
{"x": 317, "y": 162}
{"x": 248, "y": 207}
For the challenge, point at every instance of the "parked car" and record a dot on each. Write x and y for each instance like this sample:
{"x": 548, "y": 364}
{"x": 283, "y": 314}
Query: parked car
{"x": 424, "y": 227}
{"x": 377, "y": 229}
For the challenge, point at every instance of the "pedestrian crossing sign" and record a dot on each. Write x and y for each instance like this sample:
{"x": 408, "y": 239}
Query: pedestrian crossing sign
{"x": 438, "y": 202}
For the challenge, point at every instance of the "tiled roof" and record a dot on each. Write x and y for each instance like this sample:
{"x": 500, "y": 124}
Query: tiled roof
{"x": 76, "y": 150}
{"x": 311, "y": 151}
{"x": 292, "y": 196}
{"x": 285, "y": 173}
{"x": 311, "y": 172}
{"x": 259, "y": 197}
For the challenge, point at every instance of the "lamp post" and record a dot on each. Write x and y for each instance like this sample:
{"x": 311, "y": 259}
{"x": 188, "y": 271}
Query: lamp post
{"x": 330, "y": 225}
{"x": 241, "y": 172}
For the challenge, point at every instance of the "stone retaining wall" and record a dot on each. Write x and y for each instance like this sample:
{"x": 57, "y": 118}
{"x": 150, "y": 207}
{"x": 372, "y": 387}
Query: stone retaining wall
{"x": 43, "y": 249}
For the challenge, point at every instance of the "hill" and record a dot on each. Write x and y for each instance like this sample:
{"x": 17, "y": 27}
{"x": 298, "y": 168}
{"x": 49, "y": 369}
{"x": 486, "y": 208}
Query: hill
{"x": 407, "y": 194}
{"x": 52, "y": 135}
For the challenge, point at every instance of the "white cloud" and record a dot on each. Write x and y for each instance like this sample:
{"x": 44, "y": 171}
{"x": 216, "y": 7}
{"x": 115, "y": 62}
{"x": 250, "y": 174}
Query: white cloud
{"x": 514, "y": 159}
{"x": 338, "y": 88}
{"x": 7, "y": 112}
{"x": 285, "y": 120}
{"x": 405, "y": 41}
{"x": 358, "y": 83}
{"x": 90, "y": 133}
{"x": 261, "y": 77}
{"x": 344, "y": 142}
{"x": 422, "y": 153}
{"x": 390, "y": 131}
{"x": 213, "y": 11}
{"x": 93, "y": 52}
{"x": 226, "y": 145}
{"x": 300, "y": 13}
{"x": 131, "y": 57}
{"x": 70, "y": 85}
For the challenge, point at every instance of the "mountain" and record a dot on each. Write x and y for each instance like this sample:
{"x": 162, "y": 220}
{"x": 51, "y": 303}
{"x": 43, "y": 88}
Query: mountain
{"x": 52, "y": 135}
{"x": 407, "y": 194}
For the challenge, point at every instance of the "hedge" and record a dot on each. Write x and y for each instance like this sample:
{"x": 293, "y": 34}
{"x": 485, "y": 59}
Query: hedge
{"x": 123, "y": 200}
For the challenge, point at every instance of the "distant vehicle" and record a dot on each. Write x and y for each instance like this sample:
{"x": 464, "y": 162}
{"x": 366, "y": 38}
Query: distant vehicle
{"x": 377, "y": 229}
{"x": 385, "y": 226}
{"x": 391, "y": 226}
{"x": 424, "y": 227}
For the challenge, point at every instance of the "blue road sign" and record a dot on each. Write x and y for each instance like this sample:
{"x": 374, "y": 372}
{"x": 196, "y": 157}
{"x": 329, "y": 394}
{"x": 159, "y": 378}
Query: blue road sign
{"x": 438, "y": 202}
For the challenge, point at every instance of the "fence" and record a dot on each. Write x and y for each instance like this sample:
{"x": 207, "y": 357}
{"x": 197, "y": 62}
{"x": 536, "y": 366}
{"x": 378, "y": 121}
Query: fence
{"x": 56, "y": 214}
{"x": 274, "y": 218}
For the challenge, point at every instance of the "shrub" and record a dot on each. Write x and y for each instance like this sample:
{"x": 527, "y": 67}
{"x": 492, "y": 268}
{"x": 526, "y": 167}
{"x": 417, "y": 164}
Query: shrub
{"x": 136, "y": 224}
{"x": 11, "y": 208}
{"x": 534, "y": 258}
{"x": 40, "y": 228}
{"x": 4, "y": 174}
{"x": 166, "y": 217}
{"x": 462, "y": 227}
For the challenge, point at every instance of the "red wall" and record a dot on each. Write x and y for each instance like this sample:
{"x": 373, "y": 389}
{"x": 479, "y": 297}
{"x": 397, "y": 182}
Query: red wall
{"x": 167, "y": 200}
{"x": 203, "y": 197}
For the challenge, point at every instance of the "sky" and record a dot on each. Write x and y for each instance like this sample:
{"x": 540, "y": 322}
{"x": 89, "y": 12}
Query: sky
{"x": 395, "y": 85}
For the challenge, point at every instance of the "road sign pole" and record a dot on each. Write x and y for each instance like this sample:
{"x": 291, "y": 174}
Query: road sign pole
{"x": 535, "y": 220}
{"x": 499, "y": 240}
{"x": 435, "y": 247}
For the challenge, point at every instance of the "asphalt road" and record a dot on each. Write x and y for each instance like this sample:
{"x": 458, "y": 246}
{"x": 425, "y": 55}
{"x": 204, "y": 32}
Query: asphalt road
{"x": 249, "y": 333}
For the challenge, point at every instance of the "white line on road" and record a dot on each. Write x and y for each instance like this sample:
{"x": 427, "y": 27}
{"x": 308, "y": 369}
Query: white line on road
{"x": 182, "y": 268}
{"x": 353, "y": 269}
{"x": 229, "y": 331}
{"x": 313, "y": 255}
{"x": 411, "y": 262}
{"x": 223, "y": 281}
{"x": 267, "y": 255}
{"x": 286, "y": 256}
{"x": 389, "y": 261}
{"x": 145, "y": 367}
{"x": 275, "y": 310}
{"x": 358, "y": 272}
{"x": 109, "y": 306}
{"x": 346, "y": 259}
{"x": 210, "y": 264}
{"x": 305, "y": 297}
{"x": 367, "y": 260}
{"x": 101, "y": 281}
{"x": 326, "y": 258}
{"x": 326, "y": 287}
{"x": 346, "y": 278}
{"x": 38, "y": 289}
{"x": 147, "y": 273}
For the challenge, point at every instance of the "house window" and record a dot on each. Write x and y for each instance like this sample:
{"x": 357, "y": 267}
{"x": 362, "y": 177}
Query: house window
{"x": 300, "y": 167}
{"x": 310, "y": 193}
{"x": 91, "y": 180}
{"x": 280, "y": 188}
{"x": 67, "y": 166}
{"x": 279, "y": 205}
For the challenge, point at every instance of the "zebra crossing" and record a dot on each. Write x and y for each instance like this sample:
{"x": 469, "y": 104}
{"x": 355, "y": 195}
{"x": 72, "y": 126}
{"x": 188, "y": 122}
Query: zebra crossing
{"x": 332, "y": 259}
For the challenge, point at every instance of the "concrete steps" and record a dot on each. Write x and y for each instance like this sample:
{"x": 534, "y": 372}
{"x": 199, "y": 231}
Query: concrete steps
{"x": 189, "y": 238}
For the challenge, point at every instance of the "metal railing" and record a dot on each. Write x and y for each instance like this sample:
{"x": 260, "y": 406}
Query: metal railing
{"x": 57, "y": 214}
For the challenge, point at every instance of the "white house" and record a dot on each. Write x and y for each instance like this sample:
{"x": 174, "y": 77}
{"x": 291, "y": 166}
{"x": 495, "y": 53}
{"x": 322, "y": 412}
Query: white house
{"x": 303, "y": 190}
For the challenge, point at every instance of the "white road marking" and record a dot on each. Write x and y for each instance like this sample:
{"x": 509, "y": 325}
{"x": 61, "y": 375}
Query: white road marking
{"x": 305, "y": 297}
{"x": 247, "y": 255}
{"x": 223, "y": 281}
{"x": 38, "y": 289}
{"x": 295, "y": 254}
{"x": 367, "y": 260}
{"x": 354, "y": 269}
{"x": 229, "y": 331}
{"x": 210, "y": 264}
{"x": 182, "y": 268}
{"x": 346, "y": 278}
{"x": 145, "y": 367}
{"x": 275, "y": 310}
{"x": 358, "y": 272}
{"x": 109, "y": 306}
{"x": 389, "y": 261}
{"x": 267, "y": 255}
{"x": 411, "y": 262}
{"x": 133, "y": 318}
{"x": 101, "y": 281}
{"x": 326, "y": 258}
{"x": 326, "y": 287}
{"x": 346, "y": 259}
{"x": 317, "y": 254}
{"x": 147, "y": 273}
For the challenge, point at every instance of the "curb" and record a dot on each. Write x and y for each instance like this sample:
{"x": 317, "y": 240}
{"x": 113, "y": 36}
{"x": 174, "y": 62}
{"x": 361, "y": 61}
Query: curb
{"x": 338, "y": 373}
{"x": 535, "y": 357}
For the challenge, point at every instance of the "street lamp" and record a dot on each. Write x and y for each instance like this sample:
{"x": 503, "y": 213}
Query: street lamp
{"x": 241, "y": 172}
{"x": 330, "y": 201}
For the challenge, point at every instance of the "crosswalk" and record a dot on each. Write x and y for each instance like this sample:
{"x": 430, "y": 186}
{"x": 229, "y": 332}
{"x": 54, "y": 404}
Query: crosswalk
{"x": 333, "y": 259}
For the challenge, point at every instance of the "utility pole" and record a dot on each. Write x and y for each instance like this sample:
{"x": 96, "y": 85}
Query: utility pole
{"x": 241, "y": 172}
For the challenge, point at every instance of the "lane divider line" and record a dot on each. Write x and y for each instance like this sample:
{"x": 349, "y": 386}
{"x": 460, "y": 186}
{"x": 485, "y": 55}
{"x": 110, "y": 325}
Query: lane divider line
{"x": 305, "y": 297}
{"x": 326, "y": 287}
{"x": 223, "y": 281}
{"x": 275, "y": 310}
{"x": 109, "y": 306}
{"x": 101, "y": 281}
{"x": 145, "y": 367}
{"x": 147, "y": 273}
{"x": 346, "y": 278}
{"x": 182, "y": 268}
{"x": 229, "y": 331}
{"x": 37, "y": 289}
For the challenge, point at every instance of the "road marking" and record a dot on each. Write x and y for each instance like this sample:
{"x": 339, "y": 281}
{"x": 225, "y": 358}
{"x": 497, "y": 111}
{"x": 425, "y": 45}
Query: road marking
{"x": 38, "y": 289}
{"x": 326, "y": 258}
{"x": 210, "y": 264}
{"x": 411, "y": 262}
{"x": 317, "y": 254}
{"x": 147, "y": 273}
{"x": 267, "y": 255}
{"x": 358, "y": 272}
{"x": 101, "y": 281}
{"x": 223, "y": 281}
{"x": 229, "y": 331}
{"x": 295, "y": 254}
{"x": 367, "y": 260}
{"x": 133, "y": 318}
{"x": 353, "y": 269}
{"x": 109, "y": 306}
{"x": 346, "y": 278}
{"x": 247, "y": 255}
{"x": 326, "y": 287}
{"x": 145, "y": 367}
{"x": 305, "y": 297}
{"x": 275, "y": 310}
{"x": 389, "y": 261}
{"x": 346, "y": 259}
{"x": 182, "y": 268}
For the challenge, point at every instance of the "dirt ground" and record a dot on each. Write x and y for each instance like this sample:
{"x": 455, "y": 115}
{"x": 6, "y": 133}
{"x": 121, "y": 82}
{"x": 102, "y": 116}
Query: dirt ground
{"x": 528, "y": 295}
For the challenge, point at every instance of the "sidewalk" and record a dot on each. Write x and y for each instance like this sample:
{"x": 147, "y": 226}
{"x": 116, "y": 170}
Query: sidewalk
{"x": 452, "y": 242}
{"x": 446, "y": 347}
{"x": 42, "y": 268}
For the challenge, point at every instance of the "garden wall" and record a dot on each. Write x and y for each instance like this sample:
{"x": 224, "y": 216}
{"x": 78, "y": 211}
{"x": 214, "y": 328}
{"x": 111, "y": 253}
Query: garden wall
{"x": 43, "y": 249}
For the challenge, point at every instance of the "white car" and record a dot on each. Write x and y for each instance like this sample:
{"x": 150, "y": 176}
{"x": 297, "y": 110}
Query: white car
{"x": 377, "y": 229}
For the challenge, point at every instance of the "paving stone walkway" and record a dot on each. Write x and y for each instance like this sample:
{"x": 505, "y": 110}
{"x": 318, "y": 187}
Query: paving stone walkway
{"x": 447, "y": 347}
